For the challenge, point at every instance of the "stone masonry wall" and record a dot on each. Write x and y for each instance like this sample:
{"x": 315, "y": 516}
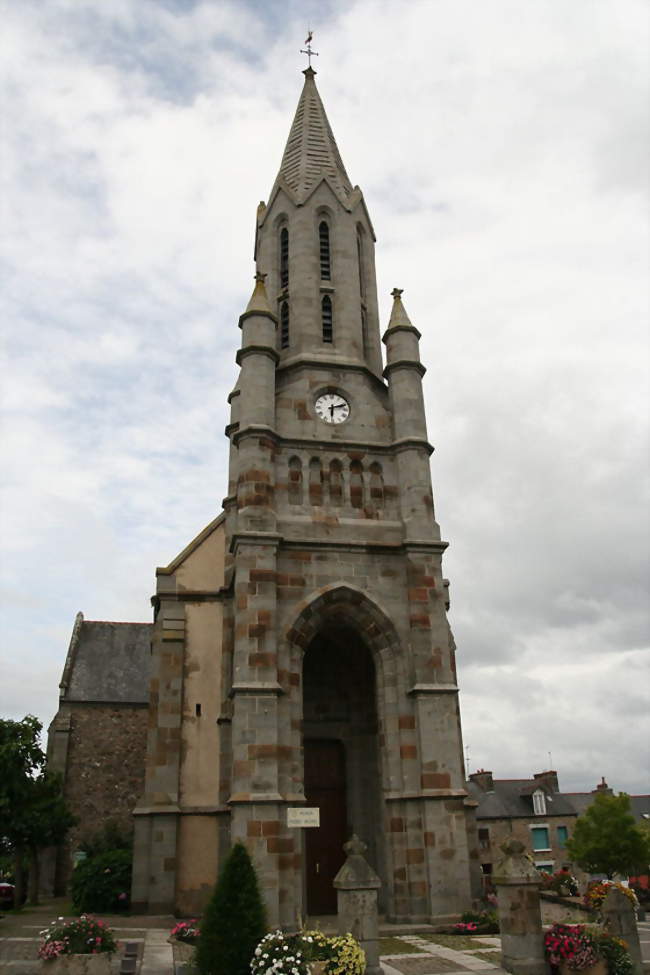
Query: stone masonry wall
{"x": 104, "y": 773}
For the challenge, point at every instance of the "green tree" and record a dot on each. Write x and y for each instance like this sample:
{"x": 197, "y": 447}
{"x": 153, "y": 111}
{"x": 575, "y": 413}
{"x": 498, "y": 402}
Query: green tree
{"x": 606, "y": 840}
{"x": 33, "y": 812}
{"x": 234, "y": 920}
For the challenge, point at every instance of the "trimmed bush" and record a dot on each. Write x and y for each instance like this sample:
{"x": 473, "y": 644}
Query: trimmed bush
{"x": 102, "y": 882}
{"x": 234, "y": 920}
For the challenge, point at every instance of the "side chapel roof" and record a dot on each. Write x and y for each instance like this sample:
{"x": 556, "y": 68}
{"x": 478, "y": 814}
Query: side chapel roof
{"x": 107, "y": 663}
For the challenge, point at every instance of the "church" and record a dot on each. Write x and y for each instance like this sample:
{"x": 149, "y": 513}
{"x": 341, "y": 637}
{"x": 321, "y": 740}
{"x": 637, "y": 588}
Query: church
{"x": 300, "y": 654}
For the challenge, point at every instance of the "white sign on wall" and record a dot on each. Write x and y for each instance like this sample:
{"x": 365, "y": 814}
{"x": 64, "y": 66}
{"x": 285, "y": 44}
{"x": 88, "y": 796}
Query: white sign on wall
{"x": 303, "y": 816}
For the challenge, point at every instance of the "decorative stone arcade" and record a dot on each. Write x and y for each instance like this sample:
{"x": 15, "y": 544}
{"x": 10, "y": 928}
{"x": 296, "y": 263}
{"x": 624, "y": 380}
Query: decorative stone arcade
{"x": 309, "y": 622}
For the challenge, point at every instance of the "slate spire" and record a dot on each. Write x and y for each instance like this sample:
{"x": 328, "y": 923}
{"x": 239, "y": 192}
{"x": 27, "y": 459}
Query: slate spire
{"x": 311, "y": 152}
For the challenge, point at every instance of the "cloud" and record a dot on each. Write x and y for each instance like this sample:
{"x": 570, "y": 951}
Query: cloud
{"x": 502, "y": 150}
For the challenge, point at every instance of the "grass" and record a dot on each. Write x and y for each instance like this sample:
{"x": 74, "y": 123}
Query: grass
{"x": 459, "y": 942}
{"x": 493, "y": 956}
{"x": 395, "y": 946}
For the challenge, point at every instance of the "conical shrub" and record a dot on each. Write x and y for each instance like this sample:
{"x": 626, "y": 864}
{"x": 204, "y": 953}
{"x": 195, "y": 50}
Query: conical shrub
{"x": 234, "y": 920}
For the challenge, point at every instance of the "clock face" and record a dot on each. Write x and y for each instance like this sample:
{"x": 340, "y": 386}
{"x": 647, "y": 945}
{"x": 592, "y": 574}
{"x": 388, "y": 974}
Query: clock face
{"x": 332, "y": 408}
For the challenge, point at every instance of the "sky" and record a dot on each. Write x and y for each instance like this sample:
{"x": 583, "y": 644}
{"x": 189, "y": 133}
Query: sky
{"x": 502, "y": 150}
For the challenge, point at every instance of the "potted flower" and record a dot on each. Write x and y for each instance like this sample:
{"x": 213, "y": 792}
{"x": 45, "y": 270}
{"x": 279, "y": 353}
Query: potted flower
{"x": 571, "y": 948}
{"x": 81, "y": 946}
{"x": 598, "y": 890}
{"x": 308, "y": 953}
{"x": 561, "y": 882}
{"x": 183, "y": 938}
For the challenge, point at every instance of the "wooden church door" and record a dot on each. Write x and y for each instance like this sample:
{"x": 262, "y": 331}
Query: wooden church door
{"x": 325, "y": 788}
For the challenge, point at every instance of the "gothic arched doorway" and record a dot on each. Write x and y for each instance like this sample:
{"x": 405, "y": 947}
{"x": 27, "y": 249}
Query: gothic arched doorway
{"x": 342, "y": 770}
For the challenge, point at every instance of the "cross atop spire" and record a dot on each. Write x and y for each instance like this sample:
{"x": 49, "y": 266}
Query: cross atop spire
{"x": 311, "y": 152}
{"x": 310, "y": 54}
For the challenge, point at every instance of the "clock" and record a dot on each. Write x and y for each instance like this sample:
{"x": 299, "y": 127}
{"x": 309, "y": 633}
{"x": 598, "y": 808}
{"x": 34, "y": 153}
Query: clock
{"x": 332, "y": 408}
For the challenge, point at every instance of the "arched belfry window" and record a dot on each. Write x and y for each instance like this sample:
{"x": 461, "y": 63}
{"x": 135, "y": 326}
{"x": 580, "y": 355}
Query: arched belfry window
{"x": 284, "y": 325}
{"x": 324, "y": 247}
{"x": 284, "y": 258}
{"x": 315, "y": 481}
{"x": 336, "y": 482}
{"x": 326, "y": 316}
{"x": 376, "y": 485}
{"x": 356, "y": 484}
{"x": 294, "y": 487}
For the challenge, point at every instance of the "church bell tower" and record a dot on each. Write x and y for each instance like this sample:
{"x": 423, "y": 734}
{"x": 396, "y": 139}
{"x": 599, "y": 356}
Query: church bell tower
{"x": 301, "y": 650}
{"x": 343, "y": 691}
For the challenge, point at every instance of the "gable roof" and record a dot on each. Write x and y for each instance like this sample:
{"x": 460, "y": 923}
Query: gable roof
{"x": 512, "y": 799}
{"x": 107, "y": 663}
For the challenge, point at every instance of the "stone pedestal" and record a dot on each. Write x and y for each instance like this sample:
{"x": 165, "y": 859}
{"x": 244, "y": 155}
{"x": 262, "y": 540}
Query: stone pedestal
{"x": 517, "y": 882}
{"x": 357, "y": 885}
{"x": 619, "y": 919}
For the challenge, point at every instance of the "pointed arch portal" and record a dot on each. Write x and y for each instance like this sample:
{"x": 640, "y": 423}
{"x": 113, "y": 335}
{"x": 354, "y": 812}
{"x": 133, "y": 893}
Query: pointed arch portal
{"x": 345, "y": 654}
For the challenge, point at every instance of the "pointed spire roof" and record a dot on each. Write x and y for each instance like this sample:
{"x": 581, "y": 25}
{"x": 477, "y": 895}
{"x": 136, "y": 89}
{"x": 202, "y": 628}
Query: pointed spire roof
{"x": 311, "y": 152}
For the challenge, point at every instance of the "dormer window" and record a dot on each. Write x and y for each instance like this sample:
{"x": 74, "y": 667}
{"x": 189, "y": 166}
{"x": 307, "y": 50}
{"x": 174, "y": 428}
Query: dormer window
{"x": 539, "y": 803}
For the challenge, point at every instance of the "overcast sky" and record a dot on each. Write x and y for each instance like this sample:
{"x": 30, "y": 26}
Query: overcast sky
{"x": 501, "y": 149}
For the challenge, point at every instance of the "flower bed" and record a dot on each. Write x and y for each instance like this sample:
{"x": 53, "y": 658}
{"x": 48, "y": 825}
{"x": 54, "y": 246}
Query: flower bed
{"x": 576, "y": 948}
{"x": 598, "y": 890}
{"x": 477, "y": 922}
{"x": 307, "y": 953}
{"x": 84, "y": 935}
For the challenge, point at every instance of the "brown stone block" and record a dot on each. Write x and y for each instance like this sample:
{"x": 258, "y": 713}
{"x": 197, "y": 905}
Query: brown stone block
{"x": 262, "y": 659}
{"x": 279, "y": 844}
{"x": 254, "y": 827}
{"x": 408, "y": 751}
{"x": 285, "y": 861}
{"x": 294, "y": 680}
{"x": 428, "y": 581}
{"x": 406, "y": 721}
{"x": 429, "y": 839}
{"x": 252, "y": 589}
{"x": 282, "y": 578}
{"x": 396, "y": 824}
{"x": 242, "y": 602}
{"x": 301, "y": 556}
{"x": 264, "y": 616}
{"x": 254, "y": 474}
{"x": 241, "y": 767}
{"x": 415, "y": 856}
{"x": 399, "y": 874}
{"x": 420, "y": 620}
{"x": 418, "y": 595}
{"x": 419, "y": 888}
{"x": 256, "y": 629}
{"x": 435, "y": 780}
{"x": 271, "y": 827}
{"x": 169, "y": 863}
{"x": 262, "y": 575}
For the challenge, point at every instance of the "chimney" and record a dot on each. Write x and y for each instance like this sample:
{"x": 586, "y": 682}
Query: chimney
{"x": 549, "y": 779}
{"x": 603, "y": 787}
{"x": 483, "y": 780}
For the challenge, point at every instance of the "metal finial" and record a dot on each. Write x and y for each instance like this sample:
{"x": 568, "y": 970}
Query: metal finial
{"x": 260, "y": 276}
{"x": 310, "y": 54}
{"x": 397, "y": 292}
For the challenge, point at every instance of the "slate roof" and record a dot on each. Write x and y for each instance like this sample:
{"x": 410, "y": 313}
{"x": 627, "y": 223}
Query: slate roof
{"x": 512, "y": 799}
{"x": 107, "y": 663}
{"x": 311, "y": 151}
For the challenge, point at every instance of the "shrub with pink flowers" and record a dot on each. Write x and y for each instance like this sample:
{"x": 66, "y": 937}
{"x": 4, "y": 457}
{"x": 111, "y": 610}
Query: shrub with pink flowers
{"x": 186, "y": 931}
{"x": 84, "y": 935}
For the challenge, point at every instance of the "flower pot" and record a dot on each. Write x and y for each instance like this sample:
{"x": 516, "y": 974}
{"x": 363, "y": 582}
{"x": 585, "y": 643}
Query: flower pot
{"x": 600, "y": 968}
{"x": 183, "y": 950}
{"x": 79, "y": 964}
{"x": 317, "y": 967}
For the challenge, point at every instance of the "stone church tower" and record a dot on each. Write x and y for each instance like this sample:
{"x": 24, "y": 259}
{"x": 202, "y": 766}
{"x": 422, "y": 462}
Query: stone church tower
{"x": 301, "y": 650}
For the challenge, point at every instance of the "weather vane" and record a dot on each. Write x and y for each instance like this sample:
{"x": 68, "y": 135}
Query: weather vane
{"x": 310, "y": 54}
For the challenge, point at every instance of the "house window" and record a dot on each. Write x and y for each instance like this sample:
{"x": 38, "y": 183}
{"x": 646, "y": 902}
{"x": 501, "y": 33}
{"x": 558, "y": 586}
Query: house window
{"x": 284, "y": 258}
{"x": 484, "y": 839}
{"x": 326, "y": 314}
{"x": 539, "y": 803}
{"x": 562, "y": 836}
{"x": 539, "y": 837}
{"x": 284, "y": 325}
{"x": 324, "y": 248}
{"x": 544, "y": 866}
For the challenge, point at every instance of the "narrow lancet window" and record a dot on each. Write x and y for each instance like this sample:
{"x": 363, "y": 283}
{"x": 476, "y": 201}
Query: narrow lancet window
{"x": 315, "y": 481}
{"x": 336, "y": 483}
{"x": 356, "y": 484}
{"x": 364, "y": 330}
{"x": 284, "y": 325}
{"x": 324, "y": 243}
{"x": 294, "y": 487}
{"x": 362, "y": 276}
{"x": 326, "y": 315}
{"x": 284, "y": 258}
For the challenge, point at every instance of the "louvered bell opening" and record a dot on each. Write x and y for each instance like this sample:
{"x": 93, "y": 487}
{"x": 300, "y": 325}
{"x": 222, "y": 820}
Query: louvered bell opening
{"x": 284, "y": 325}
{"x": 324, "y": 240}
{"x": 326, "y": 311}
{"x": 284, "y": 258}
